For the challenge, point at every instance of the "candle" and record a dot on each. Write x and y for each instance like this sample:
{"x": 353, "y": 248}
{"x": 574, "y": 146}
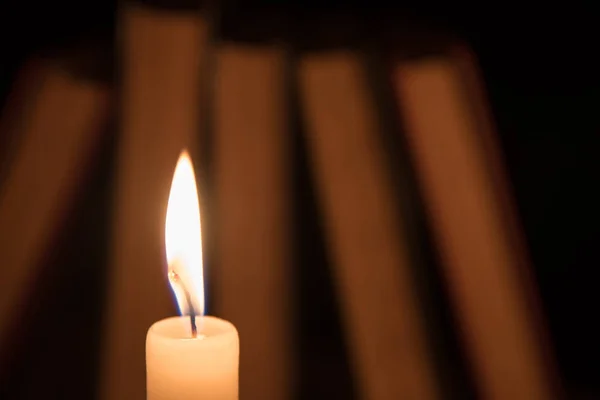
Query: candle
{"x": 179, "y": 367}
{"x": 192, "y": 356}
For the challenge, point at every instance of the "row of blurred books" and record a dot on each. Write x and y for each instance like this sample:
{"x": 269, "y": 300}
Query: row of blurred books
{"x": 429, "y": 267}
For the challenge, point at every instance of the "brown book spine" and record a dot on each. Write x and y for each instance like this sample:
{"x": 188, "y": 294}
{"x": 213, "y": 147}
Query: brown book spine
{"x": 18, "y": 102}
{"x": 479, "y": 260}
{"x": 253, "y": 269}
{"x": 370, "y": 259}
{"x": 61, "y": 126}
{"x": 160, "y": 56}
{"x": 476, "y": 97}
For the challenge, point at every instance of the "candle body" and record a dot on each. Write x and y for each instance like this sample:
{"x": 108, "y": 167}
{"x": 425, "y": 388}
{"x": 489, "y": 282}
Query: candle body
{"x": 179, "y": 367}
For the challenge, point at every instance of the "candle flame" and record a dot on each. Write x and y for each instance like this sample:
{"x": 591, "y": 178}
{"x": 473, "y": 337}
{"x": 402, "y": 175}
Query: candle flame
{"x": 183, "y": 239}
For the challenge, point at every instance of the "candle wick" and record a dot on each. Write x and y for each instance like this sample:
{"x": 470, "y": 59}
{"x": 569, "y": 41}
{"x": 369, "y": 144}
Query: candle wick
{"x": 193, "y": 323}
{"x": 174, "y": 277}
{"x": 192, "y": 314}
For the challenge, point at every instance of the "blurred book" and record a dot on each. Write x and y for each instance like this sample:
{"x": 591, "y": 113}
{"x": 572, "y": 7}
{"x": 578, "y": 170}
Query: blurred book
{"x": 162, "y": 45}
{"x": 459, "y": 168}
{"x": 252, "y": 274}
{"x": 25, "y": 84}
{"x": 54, "y": 130}
{"x": 371, "y": 266}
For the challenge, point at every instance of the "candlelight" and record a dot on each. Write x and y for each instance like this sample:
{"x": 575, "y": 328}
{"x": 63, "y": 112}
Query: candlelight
{"x": 183, "y": 240}
{"x": 202, "y": 365}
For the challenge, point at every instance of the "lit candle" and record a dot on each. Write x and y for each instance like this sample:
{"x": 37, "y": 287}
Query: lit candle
{"x": 192, "y": 356}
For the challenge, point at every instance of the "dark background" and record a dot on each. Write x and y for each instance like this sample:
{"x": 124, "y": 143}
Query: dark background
{"x": 542, "y": 73}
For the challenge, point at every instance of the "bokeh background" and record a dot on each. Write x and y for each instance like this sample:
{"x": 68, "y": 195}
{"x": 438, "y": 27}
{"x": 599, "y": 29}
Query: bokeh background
{"x": 541, "y": 70}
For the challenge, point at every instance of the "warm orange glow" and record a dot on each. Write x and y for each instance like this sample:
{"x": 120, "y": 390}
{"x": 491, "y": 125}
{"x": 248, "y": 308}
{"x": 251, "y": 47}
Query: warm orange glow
{"x": 183, "y": 239}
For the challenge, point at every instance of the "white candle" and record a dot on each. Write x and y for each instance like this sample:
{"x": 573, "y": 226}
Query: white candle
{"x": 181, "y": 368}
{"x": 193, "y": 356}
